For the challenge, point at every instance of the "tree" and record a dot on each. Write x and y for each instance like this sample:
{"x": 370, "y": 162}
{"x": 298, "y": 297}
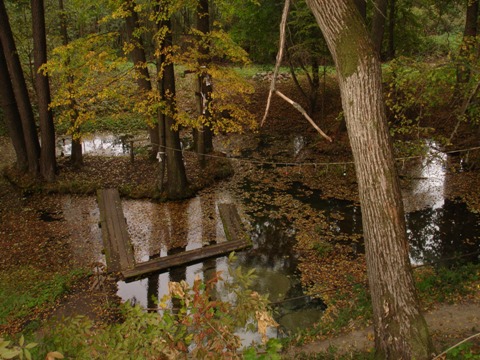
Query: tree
{"x": 11, "y": 115}
{"x": 203, "y": 136}
{"x": 467, "y": 53}
{"x": 362, "y": 8}
{"x": 137, "y": 52}
{"x": 253, "y": 25}
{"x": 20, "y": 90}
{"x": 400, "y": 329}
{"x": 306, "y": 51}
{"x": 47, "y": 131}
{"x": 176, "y": 175}
{"x": 378, "y": 24}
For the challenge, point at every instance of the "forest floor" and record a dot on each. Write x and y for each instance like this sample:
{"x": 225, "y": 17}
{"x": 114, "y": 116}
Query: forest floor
{"x": 26, "y": 239}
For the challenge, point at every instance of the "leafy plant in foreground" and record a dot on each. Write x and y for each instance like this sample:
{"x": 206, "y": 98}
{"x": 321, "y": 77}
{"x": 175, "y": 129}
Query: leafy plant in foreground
{"x": 191, "y": 321}
{"x": 11, "y": 351}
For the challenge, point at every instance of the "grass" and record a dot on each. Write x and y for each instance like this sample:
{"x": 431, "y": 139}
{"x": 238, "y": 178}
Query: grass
{"x": 446, "y": 284}
{"x": 434, "y": 285}
{"x": 26, "y": 290}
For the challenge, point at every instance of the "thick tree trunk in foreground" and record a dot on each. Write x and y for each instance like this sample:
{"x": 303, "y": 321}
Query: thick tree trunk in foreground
{"x": 20, "y": 90}
{"x": 48, "y": 163}
{"x": 400, "y": 329}
{"x": 140, "y": 62}
{"x": 11, "y": 115}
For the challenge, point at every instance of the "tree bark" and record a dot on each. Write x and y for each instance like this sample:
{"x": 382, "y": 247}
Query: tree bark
{"x": 361, "y": 6}
{"x": 378, "y": 24}
{"x": 176, "y": 175}
{"x": 48, "y": 164}
{"x": 140, "y": 62}
{"x": 204, "y": 136}
{"x": 400, "y": 329}
{"x": 391, "y": 30}
{"x": 468, "y": 42}
{"x": 20, "y": 90}
{"x": 63, "y": 23}
{"x": 11, "y": 115}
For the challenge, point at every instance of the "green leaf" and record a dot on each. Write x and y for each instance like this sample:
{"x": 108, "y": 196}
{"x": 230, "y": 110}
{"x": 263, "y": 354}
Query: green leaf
{"x": 9, "y": 353}
{"x": 54, "y": 355}
{"x": 27, "y": 353}
{"x": 31, "y": 345}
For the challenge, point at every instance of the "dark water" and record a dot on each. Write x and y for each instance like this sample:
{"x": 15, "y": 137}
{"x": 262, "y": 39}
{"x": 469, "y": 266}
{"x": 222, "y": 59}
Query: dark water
{"x": 438, "y": 231}
{"x": 436, "y": 235}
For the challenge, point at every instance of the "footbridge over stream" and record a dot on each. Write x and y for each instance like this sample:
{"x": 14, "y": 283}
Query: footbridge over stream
{"x": 119, "y": 251}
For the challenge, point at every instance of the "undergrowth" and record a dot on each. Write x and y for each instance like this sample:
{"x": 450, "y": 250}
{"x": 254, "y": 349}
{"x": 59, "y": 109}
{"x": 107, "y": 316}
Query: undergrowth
{"x": 25, "y": 290}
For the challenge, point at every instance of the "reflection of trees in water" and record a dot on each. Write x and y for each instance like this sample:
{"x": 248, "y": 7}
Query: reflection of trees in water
{"x": 272, "y": 247}
{"x": 175, "y": 237}
{"x": 444, "y": 232}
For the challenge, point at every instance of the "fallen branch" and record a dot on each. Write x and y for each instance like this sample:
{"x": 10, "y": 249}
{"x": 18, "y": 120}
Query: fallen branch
{"x": 283, "y": 25}
{"x": 304, "y": 113}
{"x": 454, "y": 346}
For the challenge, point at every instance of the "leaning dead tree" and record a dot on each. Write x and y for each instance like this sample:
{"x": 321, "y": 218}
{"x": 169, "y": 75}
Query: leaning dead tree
{"x": 274, "y": 90}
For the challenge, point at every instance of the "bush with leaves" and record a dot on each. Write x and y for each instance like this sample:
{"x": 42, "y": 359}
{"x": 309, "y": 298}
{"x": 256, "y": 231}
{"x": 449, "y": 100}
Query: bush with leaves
{"x": 414, "y": 91}
{"x": 191, "y": 321}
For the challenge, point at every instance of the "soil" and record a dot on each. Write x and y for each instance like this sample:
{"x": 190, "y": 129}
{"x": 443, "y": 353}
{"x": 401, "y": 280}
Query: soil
{"x": 26, "y": 238}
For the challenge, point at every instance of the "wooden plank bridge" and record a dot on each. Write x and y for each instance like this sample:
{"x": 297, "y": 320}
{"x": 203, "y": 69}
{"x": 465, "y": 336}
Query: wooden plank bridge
{"x": 120, "y": 253}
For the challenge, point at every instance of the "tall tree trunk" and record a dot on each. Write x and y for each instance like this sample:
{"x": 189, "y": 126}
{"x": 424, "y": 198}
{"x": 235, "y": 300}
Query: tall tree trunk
{"x": 468, "y": 45}
{"x": 162, "y": 135}
{"x": 76, "y": 156}
{"x": 63, "y": 23}
{"x": 400, "y": 329}
{"x": 48, "y": 164}
{"x": 140, "y": 62}
{"x": 314, "y": 86}
{"x": 362, "y": 8}
{"x": 11, "y": 115}
{"x": 176, "y": 175}
{"x": 20, "y": 90}
{"x": 378, "y": 24}
{"x": 391, "y": 30}
{"x": 204, "y": 136}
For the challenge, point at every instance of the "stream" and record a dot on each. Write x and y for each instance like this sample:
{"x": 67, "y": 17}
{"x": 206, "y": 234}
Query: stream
{"x": 438, "y": 229}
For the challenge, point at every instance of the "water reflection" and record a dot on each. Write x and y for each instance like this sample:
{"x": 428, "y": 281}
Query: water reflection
{"x": 437, "y": 229}
{"x": 100, "y": 144}
{"x": 428, "y": 180}
{"x": 438, "y": 234}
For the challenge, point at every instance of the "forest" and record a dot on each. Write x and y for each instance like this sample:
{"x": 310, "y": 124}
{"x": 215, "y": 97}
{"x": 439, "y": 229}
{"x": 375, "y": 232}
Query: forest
{"x": 346, "y": 134}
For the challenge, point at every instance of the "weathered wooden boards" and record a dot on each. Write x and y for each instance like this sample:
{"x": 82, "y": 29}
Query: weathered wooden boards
{"x": 116, "y": 241}
{"x": 119, "y": 251}
{"x": 184, "y": 258}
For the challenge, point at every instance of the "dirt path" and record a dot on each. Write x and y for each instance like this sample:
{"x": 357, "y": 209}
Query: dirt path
{"x": 448, "y": 324}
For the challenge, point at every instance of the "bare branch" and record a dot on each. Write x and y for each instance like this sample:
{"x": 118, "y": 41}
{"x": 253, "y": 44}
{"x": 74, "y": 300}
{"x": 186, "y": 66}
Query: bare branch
{"x": 283, "y": 26}
{"x": 304, "y": 113}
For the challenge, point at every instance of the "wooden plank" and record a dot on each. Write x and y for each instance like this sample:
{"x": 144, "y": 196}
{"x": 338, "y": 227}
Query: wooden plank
{"x": 232, "y": 224}
{"x": 186, "y": 257}
{"x": 118, "y": 248}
